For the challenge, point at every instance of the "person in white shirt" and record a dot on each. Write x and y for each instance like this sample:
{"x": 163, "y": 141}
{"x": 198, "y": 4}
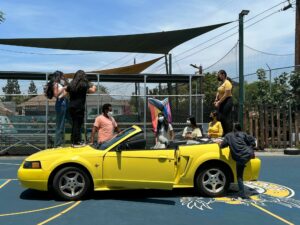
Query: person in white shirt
{"x": 164, "y": 132}
{"x": 191, "y": 131}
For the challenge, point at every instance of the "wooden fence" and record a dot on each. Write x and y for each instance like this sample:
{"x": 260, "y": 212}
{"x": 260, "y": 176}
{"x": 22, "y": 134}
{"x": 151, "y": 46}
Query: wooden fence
{"x": 274, "y": 127}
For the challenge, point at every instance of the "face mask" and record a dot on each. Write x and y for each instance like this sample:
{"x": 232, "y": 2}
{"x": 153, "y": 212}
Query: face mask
{"x": 219, "y": 78}
{"x": 110, "y": 113}
{"x": 211, "y": 118}
{"x": 188, "y": 122}
{"x": 161, "y": 119}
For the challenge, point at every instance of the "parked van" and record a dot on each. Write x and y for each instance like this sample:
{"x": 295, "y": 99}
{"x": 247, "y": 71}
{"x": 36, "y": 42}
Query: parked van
{"x": 6, "y": 127}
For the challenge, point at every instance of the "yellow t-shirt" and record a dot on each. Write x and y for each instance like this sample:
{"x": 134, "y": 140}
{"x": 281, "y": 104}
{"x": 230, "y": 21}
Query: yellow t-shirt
{"x": 215, "y": 130}
{"x": 226, "y": 86}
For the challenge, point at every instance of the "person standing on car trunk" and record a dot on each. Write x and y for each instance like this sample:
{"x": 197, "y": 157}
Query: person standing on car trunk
{"x": 223, "y": 102}
{"x": 77, "y": 90}
{"x": 242, "y": 150}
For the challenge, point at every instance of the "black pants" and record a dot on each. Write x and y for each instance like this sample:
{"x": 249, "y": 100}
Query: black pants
{"x": 77, "y": 116}
{"x": 224, "y": 115}
{"x": 240, "y": 171}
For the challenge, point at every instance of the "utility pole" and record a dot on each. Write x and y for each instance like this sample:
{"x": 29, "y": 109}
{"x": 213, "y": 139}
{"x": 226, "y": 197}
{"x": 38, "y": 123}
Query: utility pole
{"x": 241, "y": 66}
{"x": 297, "y": 36}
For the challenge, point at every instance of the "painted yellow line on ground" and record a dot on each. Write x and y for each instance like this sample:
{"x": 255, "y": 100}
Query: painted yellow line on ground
{"x": 5, "y": 183}
{"x": 272, "y": 214}
{"x": 35, "y": 210}
{"x": 9, "y": 179}
{"x": 59, "y": 214}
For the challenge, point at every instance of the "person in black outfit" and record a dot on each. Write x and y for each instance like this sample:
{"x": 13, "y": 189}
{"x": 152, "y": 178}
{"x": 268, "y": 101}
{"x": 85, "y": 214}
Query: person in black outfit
{"x": 223, "y": 102}
{"x": 77, "y": 90}
{"x": 242, "y": 150}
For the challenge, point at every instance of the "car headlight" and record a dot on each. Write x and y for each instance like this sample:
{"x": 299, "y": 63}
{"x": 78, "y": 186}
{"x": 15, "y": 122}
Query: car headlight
{"x": 32, "y": 165}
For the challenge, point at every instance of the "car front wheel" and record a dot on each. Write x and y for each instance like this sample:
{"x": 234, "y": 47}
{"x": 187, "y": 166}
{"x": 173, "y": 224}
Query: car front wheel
{"x": 212, "y": 181}
{"x": 71, "y": 183}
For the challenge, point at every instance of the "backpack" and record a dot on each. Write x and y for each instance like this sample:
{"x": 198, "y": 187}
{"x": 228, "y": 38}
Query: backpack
{"x": 49, "y": 90}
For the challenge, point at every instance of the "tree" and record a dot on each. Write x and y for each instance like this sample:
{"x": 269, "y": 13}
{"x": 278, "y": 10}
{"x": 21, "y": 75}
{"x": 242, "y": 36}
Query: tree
{"x": 2, "y": 18}
{"x": 32, "y": 88}
{"x": 294, "y": 82}
{"x": 281, "y": 93}
{"x": 12, "y": 87}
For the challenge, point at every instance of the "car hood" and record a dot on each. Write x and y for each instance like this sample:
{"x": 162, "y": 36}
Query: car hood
{"x": 50, "y": 154}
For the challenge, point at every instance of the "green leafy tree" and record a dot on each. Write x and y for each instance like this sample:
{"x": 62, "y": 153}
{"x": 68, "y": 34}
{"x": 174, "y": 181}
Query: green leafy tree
{"x": 210, "y": 85}
{"x": 281, "y": 93}
{"x": 294, "y": 83}
{"x": 12, "y": 87}
{"x": 263, "y": 85}
{"x": 32, "y": 88}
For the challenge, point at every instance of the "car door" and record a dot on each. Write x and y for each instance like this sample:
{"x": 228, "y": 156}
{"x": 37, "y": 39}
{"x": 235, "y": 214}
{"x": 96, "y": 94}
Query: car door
{"x": 139, "y": 169}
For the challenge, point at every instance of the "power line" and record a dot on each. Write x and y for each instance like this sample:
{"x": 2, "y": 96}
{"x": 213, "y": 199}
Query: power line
{"x": 268, "y": 53}
{"x": 222, "y": 57}
{"x": 228, "y": 31}
{"x": 229, "y": 35}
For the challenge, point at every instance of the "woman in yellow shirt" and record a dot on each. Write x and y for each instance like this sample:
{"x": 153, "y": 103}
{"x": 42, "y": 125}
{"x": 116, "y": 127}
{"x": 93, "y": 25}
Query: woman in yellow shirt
{"x": 215, "y": 129}
{"x": 223, "y": 102}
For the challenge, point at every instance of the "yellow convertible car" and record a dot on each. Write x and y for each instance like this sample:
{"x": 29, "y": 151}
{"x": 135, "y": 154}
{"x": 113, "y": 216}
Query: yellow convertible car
{"x": 124, "y": 163}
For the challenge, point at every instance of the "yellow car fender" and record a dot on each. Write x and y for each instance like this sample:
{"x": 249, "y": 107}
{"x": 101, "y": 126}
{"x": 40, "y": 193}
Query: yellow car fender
{"x": 193, "y": 165}
{"x": 76, "y": 160}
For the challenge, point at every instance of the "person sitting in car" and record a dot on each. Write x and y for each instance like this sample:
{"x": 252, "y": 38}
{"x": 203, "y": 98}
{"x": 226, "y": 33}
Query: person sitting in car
{"x": 164, "y": 132}
{"x": 191, "y": 131}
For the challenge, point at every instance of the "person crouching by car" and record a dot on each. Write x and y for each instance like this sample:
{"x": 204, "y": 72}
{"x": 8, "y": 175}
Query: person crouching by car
{"x": 242, "y": 150}
{"x": 105, "y": 125}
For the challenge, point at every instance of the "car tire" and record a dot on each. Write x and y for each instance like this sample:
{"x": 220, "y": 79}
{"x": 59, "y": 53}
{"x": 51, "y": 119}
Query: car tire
{"x": 291, "y": 151}
{"x": 212, "y": 181}
{"x": 71, "y": 183}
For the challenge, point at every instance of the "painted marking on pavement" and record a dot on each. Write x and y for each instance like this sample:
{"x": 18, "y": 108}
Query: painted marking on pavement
{"x": 272, "y": 214}
{"x": 5, "y": 183}
{"x": 60, "y": 214}
{"x": 35, "y": 210}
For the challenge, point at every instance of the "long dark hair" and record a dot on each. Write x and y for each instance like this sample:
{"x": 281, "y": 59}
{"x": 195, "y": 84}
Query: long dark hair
{"x": 165, "y": 123}
{"x": 79, "y": 82}
{"x": 59, "y": 77}
{"x": 193, "y": 121}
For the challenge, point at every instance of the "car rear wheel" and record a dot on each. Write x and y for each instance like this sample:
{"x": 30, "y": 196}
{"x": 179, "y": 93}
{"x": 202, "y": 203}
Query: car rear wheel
{"x": 71, "y": 183}
{"x": 212, "y": 181}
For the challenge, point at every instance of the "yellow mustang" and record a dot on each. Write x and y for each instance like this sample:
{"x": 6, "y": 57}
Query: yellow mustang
{"x": 124, "y": 163}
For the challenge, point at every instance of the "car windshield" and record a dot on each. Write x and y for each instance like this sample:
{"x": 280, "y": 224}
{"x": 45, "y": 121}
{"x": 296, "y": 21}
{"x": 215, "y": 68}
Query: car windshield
{"x": 119, "y": 136}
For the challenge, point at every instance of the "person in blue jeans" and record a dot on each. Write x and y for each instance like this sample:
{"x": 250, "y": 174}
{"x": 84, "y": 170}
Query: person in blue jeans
{"x": 61, "y": 106}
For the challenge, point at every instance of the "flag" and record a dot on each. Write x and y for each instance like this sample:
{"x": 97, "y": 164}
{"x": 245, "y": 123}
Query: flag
{"x": 156, "y": 106}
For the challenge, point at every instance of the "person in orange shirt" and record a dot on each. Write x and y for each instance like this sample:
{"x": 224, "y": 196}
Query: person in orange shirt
{"x": 223, "y": 102}
{"x": 105, "y": 125}
{"x": 215, "y": 129}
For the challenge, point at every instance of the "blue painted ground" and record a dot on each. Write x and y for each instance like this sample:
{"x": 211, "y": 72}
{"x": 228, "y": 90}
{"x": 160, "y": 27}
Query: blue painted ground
{"x": 153, "y": 207}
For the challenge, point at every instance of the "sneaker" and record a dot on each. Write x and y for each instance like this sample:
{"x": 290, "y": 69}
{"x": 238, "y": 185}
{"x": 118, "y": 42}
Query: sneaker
{"x": 243, "y": 196}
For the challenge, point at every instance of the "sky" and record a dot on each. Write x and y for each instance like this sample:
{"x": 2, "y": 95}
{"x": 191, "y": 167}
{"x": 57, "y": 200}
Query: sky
{"x": 65, "y": 18}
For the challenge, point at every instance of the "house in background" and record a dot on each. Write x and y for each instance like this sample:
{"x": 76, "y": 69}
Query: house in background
{"x": 36, "y": 106}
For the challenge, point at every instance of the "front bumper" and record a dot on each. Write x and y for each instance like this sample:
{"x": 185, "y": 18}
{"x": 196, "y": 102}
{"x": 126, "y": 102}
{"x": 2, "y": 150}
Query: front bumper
{"x": 33, "y": 178}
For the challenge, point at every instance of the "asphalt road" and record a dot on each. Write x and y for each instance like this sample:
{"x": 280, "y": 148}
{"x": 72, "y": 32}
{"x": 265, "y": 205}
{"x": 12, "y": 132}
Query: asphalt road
{"x": 275, "y": 200}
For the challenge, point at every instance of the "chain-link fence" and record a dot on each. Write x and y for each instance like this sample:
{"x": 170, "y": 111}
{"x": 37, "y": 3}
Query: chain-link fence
{"x": 28, "y": 121}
